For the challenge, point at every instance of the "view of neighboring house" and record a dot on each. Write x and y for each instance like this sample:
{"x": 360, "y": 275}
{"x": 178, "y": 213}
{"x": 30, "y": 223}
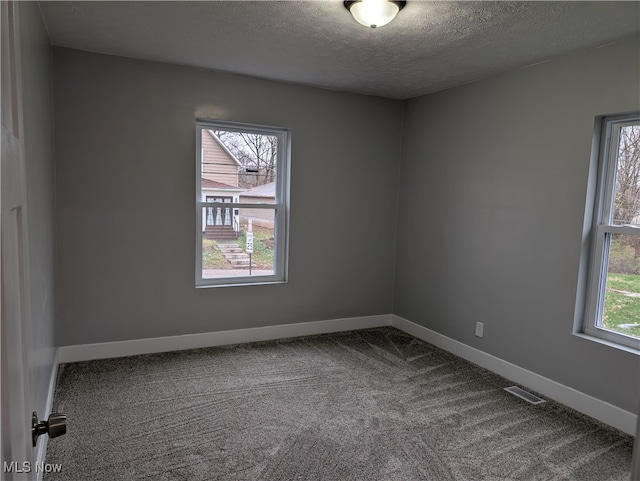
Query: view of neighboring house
{"x": 263, "y": 194}
{"x": 219, "y": 183}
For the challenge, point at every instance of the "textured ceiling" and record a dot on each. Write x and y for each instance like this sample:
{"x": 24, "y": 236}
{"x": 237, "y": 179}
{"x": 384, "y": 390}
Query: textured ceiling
{"x": 429, "y": 46}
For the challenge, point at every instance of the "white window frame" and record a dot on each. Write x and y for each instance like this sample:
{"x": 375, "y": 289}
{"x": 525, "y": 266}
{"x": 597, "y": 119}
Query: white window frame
{"x": 603, "y": 228}
{"x": 280, "y": 208}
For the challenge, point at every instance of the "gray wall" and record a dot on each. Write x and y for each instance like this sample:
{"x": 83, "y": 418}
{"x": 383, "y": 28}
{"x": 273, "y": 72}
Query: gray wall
{"x": 125, "y": 178}
{"x": 492, "y": 200}
{"x": 38, "y": 137}
{"x": 492, "y": 188}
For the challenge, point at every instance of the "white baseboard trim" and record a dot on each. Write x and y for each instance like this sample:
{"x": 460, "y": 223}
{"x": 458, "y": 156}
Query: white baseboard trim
{"x": 43, "y": 441}
{"x": 589, "y": 405}
{"x": 86, "y": 352}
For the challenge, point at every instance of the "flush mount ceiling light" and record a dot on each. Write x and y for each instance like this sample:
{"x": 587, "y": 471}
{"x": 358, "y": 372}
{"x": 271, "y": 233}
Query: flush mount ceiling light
{"x": 374, "y": 13}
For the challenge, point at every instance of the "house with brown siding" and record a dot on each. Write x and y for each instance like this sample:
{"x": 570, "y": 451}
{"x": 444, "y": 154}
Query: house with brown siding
{"x": 219, "y": 183}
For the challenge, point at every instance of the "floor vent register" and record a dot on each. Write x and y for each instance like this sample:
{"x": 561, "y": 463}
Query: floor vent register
{"x": 527, "y": 396}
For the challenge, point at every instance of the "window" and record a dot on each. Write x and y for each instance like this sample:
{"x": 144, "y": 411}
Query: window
{"x": 242, "y": 204}
{"x": 613, "y": 298}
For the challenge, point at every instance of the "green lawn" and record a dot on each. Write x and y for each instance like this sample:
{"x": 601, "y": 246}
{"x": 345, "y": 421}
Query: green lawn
{"x": 262, "y": 257}
{"x": 212, "y": 258}
{"x": 620, "y": 308}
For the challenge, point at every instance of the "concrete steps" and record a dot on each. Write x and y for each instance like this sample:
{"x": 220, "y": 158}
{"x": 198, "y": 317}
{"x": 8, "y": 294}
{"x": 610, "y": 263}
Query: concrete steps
{"x": 234, "y": 254}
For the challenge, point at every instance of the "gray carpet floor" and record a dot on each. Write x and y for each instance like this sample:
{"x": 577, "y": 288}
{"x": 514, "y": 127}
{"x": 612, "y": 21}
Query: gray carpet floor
{"x": 371, "y": 405}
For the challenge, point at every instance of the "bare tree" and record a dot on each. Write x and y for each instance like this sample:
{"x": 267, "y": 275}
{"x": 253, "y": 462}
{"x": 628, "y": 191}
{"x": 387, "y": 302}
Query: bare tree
{"x": 256, "y": 152}
{"x": 626, "y": 208}
{"x": 627, "y": 199}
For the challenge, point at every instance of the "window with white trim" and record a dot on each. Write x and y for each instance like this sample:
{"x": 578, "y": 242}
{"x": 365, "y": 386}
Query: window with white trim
{"x": 613, "y": 299}
{"x": 242, "y": 203}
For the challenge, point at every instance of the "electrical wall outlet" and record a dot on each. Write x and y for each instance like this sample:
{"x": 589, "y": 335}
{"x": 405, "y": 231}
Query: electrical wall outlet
{"x": 479, "y": 329}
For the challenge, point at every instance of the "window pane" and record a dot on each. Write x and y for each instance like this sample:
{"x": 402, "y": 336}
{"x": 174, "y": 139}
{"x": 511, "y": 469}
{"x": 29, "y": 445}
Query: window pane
{"x": 240, "y": 165}
{"x": 243, "y": 247}
{"x": 627, "y": 186}
{"x": 237, "y": 161}
{"x": 621, "y": 310}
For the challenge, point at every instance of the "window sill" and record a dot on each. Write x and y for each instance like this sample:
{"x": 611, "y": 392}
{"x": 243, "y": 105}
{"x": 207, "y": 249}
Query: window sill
{"x": 612, "y": 344}
{"x": 241, "y": 284}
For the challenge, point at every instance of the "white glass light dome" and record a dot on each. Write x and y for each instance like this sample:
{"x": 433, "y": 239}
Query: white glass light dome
{"x": 374, "y": 13}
